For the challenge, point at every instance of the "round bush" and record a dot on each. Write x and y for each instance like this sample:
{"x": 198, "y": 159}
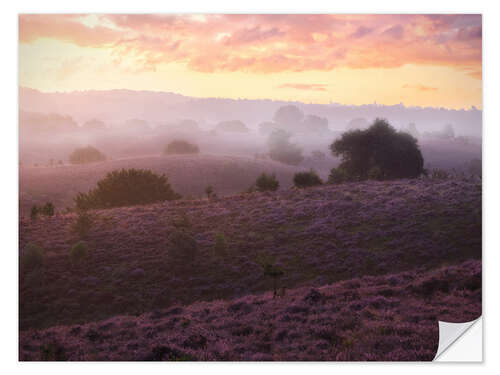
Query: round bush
{"x": 267, "y": 182}
{"x": 306, "y": 179}
{"x": 32, "y": 257}
{"x": 127, "y": 187}
{"x": 379, "y": 151}
{"x": 85, "y": 155}
{"x": 79, "y": 252}
{"x": 181, "y": 147}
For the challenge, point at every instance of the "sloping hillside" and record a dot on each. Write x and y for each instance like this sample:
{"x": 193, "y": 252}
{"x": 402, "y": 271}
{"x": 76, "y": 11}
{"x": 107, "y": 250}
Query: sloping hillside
{"x": 318, "y": 236}
{"x": 189, "y": 175}
{"x": 392, "y": 318}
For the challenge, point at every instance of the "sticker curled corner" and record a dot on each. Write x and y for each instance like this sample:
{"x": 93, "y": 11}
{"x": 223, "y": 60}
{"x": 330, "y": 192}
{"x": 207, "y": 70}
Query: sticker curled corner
{"x": 451, "y": 332}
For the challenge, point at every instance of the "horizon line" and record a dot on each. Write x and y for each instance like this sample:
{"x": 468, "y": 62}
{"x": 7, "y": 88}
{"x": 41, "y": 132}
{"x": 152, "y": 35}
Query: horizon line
{"x": 471, "y": 108}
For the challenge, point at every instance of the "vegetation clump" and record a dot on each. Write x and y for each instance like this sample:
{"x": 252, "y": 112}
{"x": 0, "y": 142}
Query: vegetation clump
{"x": 379, "y": 152}
{"x": 85, "y": 155}
{"x": 127, "y": 187}
{"x": 282, "y": 150}
{"x": 46, "y": 210}
{"x": 83, "y": 223}
{"x": 266, "y": 182}
{"x": 32, "y": 257}
{"x": 220, "y": 247}
{"x": 306, "y": 179}
{"x": 79, "y": 252}
{"x": 209, "y": 191}
{"x": 181, "y": 147}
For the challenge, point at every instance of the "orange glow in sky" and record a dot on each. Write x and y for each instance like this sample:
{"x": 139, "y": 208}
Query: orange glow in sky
{"x": 424, "y": 60}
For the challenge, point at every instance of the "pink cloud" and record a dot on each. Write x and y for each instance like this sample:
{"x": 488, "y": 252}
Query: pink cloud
{"x": 273, "y": 42}
{"x": 419, "y": 87}
{"x": 304, "y": 86}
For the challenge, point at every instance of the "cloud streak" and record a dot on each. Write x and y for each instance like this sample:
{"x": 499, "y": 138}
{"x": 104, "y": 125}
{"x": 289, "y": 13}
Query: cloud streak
{"x": 304, "y": 86}
{"x": 272, "y": 43}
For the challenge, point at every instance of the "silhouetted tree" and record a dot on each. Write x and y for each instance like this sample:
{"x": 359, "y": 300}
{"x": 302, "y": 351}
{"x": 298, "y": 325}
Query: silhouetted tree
{"x": 127, "y": 187}
{"x": 378, "y": 152}
{"x": 87, "y": 154}
{"x": 181, "y": 147}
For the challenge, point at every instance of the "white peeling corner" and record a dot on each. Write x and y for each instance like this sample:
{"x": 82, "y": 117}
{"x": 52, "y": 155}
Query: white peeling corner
{"x": 458, "y": 343}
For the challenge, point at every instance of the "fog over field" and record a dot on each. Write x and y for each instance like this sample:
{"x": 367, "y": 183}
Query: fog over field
{"x": 248, "y": 187}
{"x": 128, "y": 123}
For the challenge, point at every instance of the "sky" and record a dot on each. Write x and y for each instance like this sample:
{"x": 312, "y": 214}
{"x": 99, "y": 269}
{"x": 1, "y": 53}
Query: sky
{"x": 417, "y": 60}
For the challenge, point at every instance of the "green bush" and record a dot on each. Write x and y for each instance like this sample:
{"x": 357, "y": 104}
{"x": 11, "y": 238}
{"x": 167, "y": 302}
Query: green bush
{"x": 220, "y": 247}
{"x": 35, "y": 210}
{"x": 182, "y": 247}
{"x": 181, "y": 147}
{"x": 378, "y": 151}
{"x": 439, "y": 174}
{"x": 32, "y": 257}
{"x": 266, "y": 182}
{"x": 209, "y": 191}
{"x": 306, "y": 179}
{"x": 83, "y": 223}
{"x": 127, "y": 187}
{"x": 79, "y": 252}
{"x": 338, "y": 176}
{"x": 85, "y": 155}
{"x": 48, "y": 209}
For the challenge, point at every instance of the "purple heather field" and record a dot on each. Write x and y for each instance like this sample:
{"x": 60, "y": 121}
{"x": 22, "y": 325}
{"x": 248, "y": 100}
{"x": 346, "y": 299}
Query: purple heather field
{"x": 369, "y": 269}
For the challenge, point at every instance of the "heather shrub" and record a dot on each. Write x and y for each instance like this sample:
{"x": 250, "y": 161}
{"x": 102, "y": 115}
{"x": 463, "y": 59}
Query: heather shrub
{"x": 85, "y": 155}
{"x": 209, "y": 191}
{"x": 181, "y": 222}
{"x": 35, "y": 210}
{"x": 306, "y": 179}
{"x": 220, "y": 247}
{"x": 127, "y": 187}
{"x": 378, "y": 151}
{"x": 182, "y": 247}
{"x": 181, "y": 147}
{"x": 83, "y": 223}
{"x": 266, "y": 182}
{"x": 439, "y": 174}
{"x": 48, "y": 209}
{"x": 79, "y": 252}
{"x": 32, "y": 257}
{"x": 270, "y": 269}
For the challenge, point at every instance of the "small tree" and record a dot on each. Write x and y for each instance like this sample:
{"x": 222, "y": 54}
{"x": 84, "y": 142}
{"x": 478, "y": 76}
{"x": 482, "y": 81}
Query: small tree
{"x": 32, "y": 257}
{"x": 209, "y": 191}
{"x": 127, "y": 187}
{"x": 267, "y": 182}
{"x": 48, "y": 209}
{"x": 83, "y": 223}
{"x": 270, "y": 269}
{"x": 35, "y": 210}
{"x": 306, "y": 179}
{"x": 79, "y": 252}
{"x": 181, "y": 147}
{"x": 87, "y": 154}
